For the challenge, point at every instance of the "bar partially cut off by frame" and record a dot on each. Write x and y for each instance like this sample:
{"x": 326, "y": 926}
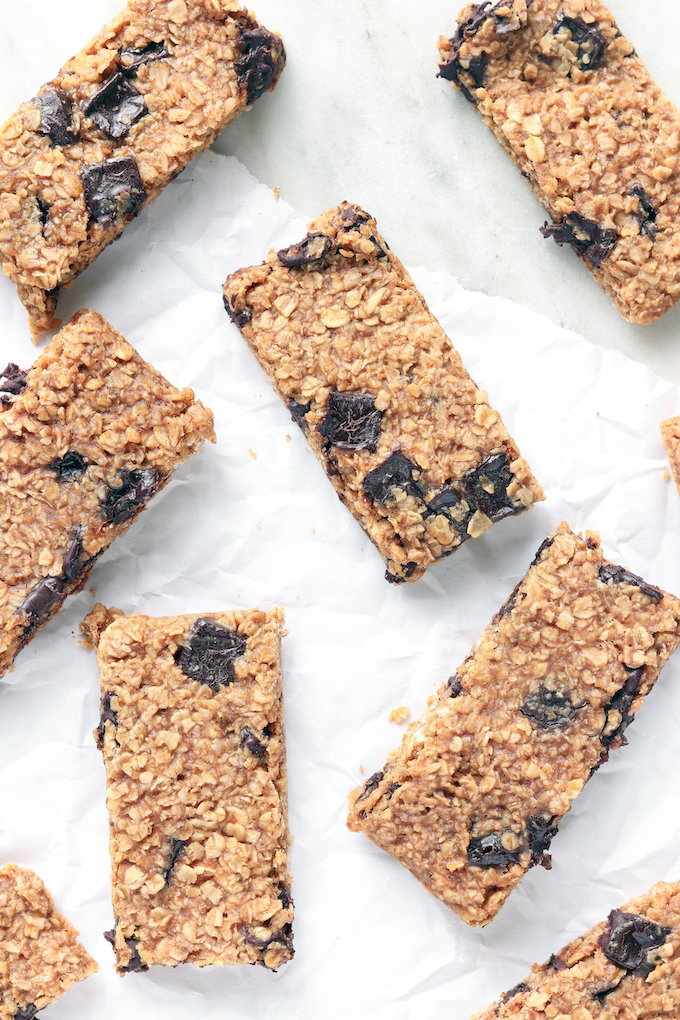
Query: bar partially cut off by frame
{"x": 476, "y": 792}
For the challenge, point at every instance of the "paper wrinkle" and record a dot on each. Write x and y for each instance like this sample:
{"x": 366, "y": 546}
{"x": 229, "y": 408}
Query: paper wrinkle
{"x": 231, "y": 531}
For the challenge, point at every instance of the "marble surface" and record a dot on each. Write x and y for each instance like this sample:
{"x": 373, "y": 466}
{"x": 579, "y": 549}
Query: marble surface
{"x": 359, "y": 114}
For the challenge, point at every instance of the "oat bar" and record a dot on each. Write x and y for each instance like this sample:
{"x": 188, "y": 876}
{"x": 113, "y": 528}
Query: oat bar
{"x": 192, "y": 730}
{"x": 625, "y": 968}
{"x": 670, "y": 432}
{"x": 87, "y": 437}
{"x": 40, "y": 956}
{"x": 118, "y": 123}
{"x": 410, "y": 443}
{"x": 475, "y": 793}
{"x": 572, "y": 104}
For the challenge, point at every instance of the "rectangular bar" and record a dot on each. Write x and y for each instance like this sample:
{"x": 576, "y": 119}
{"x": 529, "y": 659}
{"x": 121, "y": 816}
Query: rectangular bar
{"x": 40, "y": 956}
{"x": 670, "y": 433}
{"x": 623, "y": 968}
{"x": 114, "y": 127}
{"x": 192, "y": 731}
{"x": 575, "y": 108}
{"x": 475, "y": 793}
{"x": 411, "y": 445}
{"x": 87, "y": 437}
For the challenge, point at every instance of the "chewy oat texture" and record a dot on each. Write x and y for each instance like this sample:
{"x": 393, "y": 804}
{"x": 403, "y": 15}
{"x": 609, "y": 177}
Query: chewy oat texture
{"x": 87, "y": 437}
{"x": 572, "y": 104}
{"x": 117, "y": 123}
{"x": 192, "y": 730}
{"x": 625, "y": 968}
{"x": 670, "y": 432}
{"x": 40, "y": 956}
{"x": 410, "y": 443}
{"x": 475, "y": 793}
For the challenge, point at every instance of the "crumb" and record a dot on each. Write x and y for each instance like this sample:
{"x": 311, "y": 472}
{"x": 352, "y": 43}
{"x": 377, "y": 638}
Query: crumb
{"x": 361, "y": 769}
{"x": 259, "y": 525}
{"x": 277, "y": 193}
{"x": 96, "y": 622}
{"x": 252, "y": 454}
{"x": 93, "y": 592}
{"x": 666, "y": 475}
{"x": 314, "y": 530}
{"x": 399, "y": 715}
{"x": 288, "y": 438}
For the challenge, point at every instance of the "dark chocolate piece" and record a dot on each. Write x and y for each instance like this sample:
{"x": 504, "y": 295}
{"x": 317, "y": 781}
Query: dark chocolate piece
{"x": 453, "y": 68}
{"x": 352, "y": 421}
{"x": 619, "y": 575}
{"x": 12, "y": 382}
{"x": 211, "y": 653}
{"x": 407, "y": 572}
{"x": 38, "y": 603}
{"x": 106, "y": 715}
{"x": 116, "y": 106}
{"x": 250, "y": 741}
{"x": 488, "y": 486}
{"x": 311, "y": 249}
{"x": 71, "y": 566}
{"x": 628, "y": 938}
{"x": 136, "y": 489}
{"x": 556, "y": 963}
{"x": 26, "y": 1012}
{"x": 517, "y": 990}
{"x": 298, "y": 412}
{"x": 509, "y": 603}
{"x": 261, "y": 55}
{"x": 56, "y": 111}
{"x": 43, "y": 209}
{"x": 590, "y": 41}
{"x": 131, "y": 60}
{"x": 604, "y": 992}
{"x": 239, "y": 318}
{"x": 488, "y": 852}
{"x": 279, "y": 937}
{"x": 646, "y": 214}
{"x": 391, "y": 789}
{"x": 618, "y": 712}
{"x": 457, "y": 509}
{"x": 285, "y": 897}
{"x": 550, "y": 706}
{"x": 586, "y": 237}
{"x": 454, "y": 687}
{"x": 71, "y": 467}
{"x": 135, "y": 966}
{"x": 175, "y": 852}
{"x": 113, "y": 190}
{"x": 371, "y": 784}
{"x": 545, "y": 544}
{"x": 540, "y": 833}
{"x": 397, "y": 472}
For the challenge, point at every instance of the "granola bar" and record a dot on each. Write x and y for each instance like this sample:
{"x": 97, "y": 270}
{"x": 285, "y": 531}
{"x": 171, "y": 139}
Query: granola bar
{"x": 670, "y": 432}
{"x": 475, "y": 793}
{"x": 624, "y": 968}
{"x": 40, "y": 956}
{"x": 411, "y": 445}
{"x": 118, "y": 123}
{"x": 572, "y": 104}
{"x": 87, "y": 437}
{"x": 192, "y": 731}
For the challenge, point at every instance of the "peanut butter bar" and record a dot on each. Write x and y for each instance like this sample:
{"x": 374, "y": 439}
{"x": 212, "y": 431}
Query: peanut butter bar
{"x": 572, "y": 104}
{"x": 118, "y": 123}
{"x": 475, "y": 793}
{"x": 625, "y": 968}
{"x": 40, "y": 956}
{"x": 192, "y": 730}
{"x": 670, "y": 432}
{"x": 410, "y": 443}
{"x": 87, "y": 437}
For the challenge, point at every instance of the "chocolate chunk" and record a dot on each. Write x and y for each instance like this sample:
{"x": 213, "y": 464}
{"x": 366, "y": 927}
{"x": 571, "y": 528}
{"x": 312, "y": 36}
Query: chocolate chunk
{"x": 250, "y": 741}
{"x": 285, "y": 897}
{"x": 556, "y": 963}
{"x": 591, "y": 43}
{"x": 12, "y": 382}
{"x": 113, "y": 190}
{"x": 282, "y": 938}
{"x": 619, "y": 575}
{"x": 371, "y": 784}
{"x": 604, "y": 992}
{"x": 628, "y": 938}
{"x": 135, "y": 966}
{"x": 261, "y": 56}
{"x": 116, "y": 106}
{"x": 70, "y": 467}
{"x": 312, "y": 248}
{"x": 488, "y": 852}
{"x": 391, "y": 789}
{"x": 106, "y": 714}
{"x": 407, "y": 571}
{"x": 110, "y": 936}
{"x": 454, "y": 687}
{"x": 551, "y": 705}
{"x": 211, "y": 653}
{"x": 298, "y": 412}
{"x": 26, "y": 1012}
{"x": 546, "y": 544}
{"x": 136, "y": 489}
{"x": 352, "y": 421}
{"x": 509, "y": 603}
{"x": 354, "y": 216}
{"x": 456, "y": 507}
{"x": 618, "y": 715}
{"x": 646, "y": 214}
{"x": 175, "y": 851}
{"x": 46, "y": 594}
{"x": 43, "y": 209}
{"x": 586, "y": 237}
{"x": 397, "y": 472}
{"x": 452, "y": 69}
{"x": 56, "y": 111}
{"x": 239, "y": 317}
{"x": 540, "y": 833}
{"x": 517, "y": 990}
{"x": 71, "y": 567}
{"x": 131, "y": 60}
{"x": 488, "y": 487}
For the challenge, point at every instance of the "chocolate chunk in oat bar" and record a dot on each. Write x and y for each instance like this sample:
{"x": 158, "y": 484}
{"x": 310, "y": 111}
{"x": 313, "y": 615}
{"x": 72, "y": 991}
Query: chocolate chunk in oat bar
{"x": 87, "y": 437}
{"x": 118, "y": 122}
{"x": 40, "y": 956}
{"x": 411, "y": 445}
{"x": 567, "y": 97}
{"x": 623, "y": 968}
{"x": 192, "y": 731}
{"x": 485, "y": 777}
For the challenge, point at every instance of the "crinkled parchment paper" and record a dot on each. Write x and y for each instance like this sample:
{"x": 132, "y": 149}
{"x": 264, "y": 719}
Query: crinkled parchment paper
{"x": 253, "y": 521}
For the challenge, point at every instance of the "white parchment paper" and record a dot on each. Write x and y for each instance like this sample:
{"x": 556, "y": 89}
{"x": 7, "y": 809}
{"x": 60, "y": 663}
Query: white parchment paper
{"x": 253, "y": 521}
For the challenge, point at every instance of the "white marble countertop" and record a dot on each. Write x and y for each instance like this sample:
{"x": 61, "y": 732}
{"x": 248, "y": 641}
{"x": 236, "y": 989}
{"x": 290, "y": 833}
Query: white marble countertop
{"x": 359, "y": 115}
